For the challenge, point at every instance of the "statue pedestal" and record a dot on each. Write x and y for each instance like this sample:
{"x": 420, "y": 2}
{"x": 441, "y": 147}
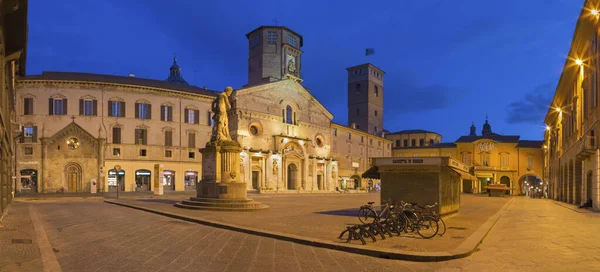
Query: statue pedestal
{"x": 220, "y": 188}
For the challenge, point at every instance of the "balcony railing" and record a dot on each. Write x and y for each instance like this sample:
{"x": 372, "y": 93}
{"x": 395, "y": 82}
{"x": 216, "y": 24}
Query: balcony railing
{"x": 586, "y": 146}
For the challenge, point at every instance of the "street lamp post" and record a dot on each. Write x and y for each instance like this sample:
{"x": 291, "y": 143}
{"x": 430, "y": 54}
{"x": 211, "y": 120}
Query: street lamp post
{"x": 117, "y": 170}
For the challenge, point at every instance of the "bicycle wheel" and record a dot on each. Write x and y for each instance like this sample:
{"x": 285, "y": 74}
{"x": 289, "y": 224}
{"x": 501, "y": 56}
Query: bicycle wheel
{"x": 366, "y": 215}
{"x": 400, "y": 221}
{"x": 442, "y": 226}
{"x": 427, "y": 227}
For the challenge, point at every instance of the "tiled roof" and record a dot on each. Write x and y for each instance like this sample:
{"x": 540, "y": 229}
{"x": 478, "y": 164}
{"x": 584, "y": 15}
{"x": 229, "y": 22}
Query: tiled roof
{"x": 438, "y": 145}
{"x": 529, "y": 144}
{"x": 88, "y": 77}
{"x": 409, "y": 131}
{"x": 495, "y": 137}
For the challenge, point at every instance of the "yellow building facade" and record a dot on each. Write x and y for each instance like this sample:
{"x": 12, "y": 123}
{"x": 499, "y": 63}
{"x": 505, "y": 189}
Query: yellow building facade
{"x": 492, "y": 158}
{"x": 572, "y": 157}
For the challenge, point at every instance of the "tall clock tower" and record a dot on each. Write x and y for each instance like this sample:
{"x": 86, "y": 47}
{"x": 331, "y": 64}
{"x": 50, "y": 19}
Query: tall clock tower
{"x": 274, "y": 54}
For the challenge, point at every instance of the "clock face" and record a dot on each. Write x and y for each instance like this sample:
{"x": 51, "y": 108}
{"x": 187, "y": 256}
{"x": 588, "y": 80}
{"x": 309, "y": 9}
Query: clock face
{"x": 73, "y": 143}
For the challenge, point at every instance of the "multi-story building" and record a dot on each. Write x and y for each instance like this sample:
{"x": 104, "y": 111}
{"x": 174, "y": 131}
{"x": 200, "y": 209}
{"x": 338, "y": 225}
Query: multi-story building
{"x": 493, "y": 158}
{"x": 13, "y": 41}
{"x": 79, "y": 128}
{"x": 571, "y": 154}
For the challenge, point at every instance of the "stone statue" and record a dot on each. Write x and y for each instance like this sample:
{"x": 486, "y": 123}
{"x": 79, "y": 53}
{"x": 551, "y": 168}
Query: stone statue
{"x": 274, "y": 166}
{"x": 291, "y": 64}
{"x": 220, "y": 130}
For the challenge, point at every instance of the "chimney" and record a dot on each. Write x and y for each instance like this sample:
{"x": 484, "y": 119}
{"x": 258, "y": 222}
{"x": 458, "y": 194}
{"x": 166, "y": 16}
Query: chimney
{"x": 131, "y": 75}
{"x": 382, "y": 134}
{"x": 353, "y": 125}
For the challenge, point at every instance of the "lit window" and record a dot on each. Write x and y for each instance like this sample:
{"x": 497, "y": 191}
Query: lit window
{"x": 58, "y": 106}
{"x": 88, "y": 107}
{"x": 117, "y": 109}
{"x": 28, "y": 131}
{"x": 143, "y": 111}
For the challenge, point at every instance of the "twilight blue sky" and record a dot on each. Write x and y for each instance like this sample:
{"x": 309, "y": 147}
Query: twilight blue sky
{"x": 448, "y": 62}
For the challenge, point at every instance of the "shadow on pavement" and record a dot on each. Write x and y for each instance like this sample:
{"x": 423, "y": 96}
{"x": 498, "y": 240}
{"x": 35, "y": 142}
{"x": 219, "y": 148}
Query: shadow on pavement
{"x": 346, "y": 212}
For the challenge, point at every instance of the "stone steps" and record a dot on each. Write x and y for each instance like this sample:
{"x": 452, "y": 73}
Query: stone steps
{"x": 220, "y": 200}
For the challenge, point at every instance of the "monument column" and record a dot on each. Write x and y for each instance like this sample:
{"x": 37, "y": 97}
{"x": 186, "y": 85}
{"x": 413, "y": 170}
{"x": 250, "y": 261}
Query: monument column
{"x": 221, "y": 187}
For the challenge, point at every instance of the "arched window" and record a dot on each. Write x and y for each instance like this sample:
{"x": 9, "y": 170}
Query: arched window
{"x": 288, "y": 114}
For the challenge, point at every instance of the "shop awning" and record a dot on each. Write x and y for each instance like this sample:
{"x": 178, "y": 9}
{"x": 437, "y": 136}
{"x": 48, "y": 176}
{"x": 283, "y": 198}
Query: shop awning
{"x": 466, "y": 176}
{"x": 372, "y": 173}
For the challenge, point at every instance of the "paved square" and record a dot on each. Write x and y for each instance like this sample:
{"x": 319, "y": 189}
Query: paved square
{"x": 531, "y": 235}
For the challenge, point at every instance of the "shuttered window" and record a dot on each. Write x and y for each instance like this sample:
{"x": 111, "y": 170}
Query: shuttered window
{"x": 116, "y": 108}
{"x": 192, "y": 140}
{"x": 168, "y": 138}
{"x": 143, "y": 111}
{"x": 166, "y": 113}
{"x": 57, "y": 106}
{"x": 191, "y": 116}
{"x": 88, "y": 107}
{"x": 116, "y": 135}
{"x": 28, "y": 106}
{"x": 141, "y": 136}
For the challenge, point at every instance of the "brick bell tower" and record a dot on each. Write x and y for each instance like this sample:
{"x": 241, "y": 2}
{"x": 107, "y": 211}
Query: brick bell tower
{"x": 365, "y": 98}
{"x": 274, "y": 54}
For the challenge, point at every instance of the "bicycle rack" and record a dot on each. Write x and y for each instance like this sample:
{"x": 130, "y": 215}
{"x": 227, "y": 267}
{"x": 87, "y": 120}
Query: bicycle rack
{"x": 369, "y": 230}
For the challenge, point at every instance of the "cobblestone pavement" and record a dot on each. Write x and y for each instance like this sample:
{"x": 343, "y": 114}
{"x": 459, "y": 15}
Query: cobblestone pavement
{"x": 532, "y": 235}
{"x": 325, "y": 216}
{"x": 18, "y": 244}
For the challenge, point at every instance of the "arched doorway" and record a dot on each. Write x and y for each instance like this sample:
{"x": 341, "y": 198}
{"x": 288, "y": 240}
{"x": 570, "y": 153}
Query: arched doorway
{"x": 292, "y": 176}
{"x": 28, "y": 180}
{"x": 73, "y": 177}
{"x": 355, "y": 182}
{"x": 530, "y": 185}
{"x": 168, "y": 180}
{"x": 588, "y": 191}
{"x": 143, "y": 179}
{"x": 191, "y": 178}
{"x": 506, "y": 181}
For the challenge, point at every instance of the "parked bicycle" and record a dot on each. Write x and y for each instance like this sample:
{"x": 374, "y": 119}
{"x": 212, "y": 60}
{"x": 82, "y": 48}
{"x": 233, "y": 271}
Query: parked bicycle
{"x": 428, "y": 210}
{"x": 426, "y": 226}
{"x": 367, "y": 214}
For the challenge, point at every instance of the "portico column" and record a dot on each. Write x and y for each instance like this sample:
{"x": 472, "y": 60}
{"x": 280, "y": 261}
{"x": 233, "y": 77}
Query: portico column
{"x": 304, "y": 183}
{"x": 41, "y": 186}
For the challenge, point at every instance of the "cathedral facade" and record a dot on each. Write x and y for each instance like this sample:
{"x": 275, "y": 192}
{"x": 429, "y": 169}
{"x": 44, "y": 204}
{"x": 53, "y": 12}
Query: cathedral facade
{"x": 84, "y": 132}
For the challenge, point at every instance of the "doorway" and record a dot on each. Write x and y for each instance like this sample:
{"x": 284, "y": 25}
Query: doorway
{"x": 142, "y": 180}
{"x": 73, "y": 173}
{"x": 255, "y": 177}
{"x": 191, "y": 178}
{"x": 506, "y": 181}
{"x": 292, "y": 176}
{"x": 114, "y": 179}
{"x": 168, "y": 180}
{"x": 320, "y": 182}
{"x": 467, "y": 186}
{"x": 29, "y": 180}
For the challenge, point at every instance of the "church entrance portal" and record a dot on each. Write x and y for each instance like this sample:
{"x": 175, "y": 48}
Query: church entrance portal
{"x": 73, "y": 172}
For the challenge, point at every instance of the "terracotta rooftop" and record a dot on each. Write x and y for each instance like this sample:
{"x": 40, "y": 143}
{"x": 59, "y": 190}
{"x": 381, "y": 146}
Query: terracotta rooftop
{"x": 88, "y": 77}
